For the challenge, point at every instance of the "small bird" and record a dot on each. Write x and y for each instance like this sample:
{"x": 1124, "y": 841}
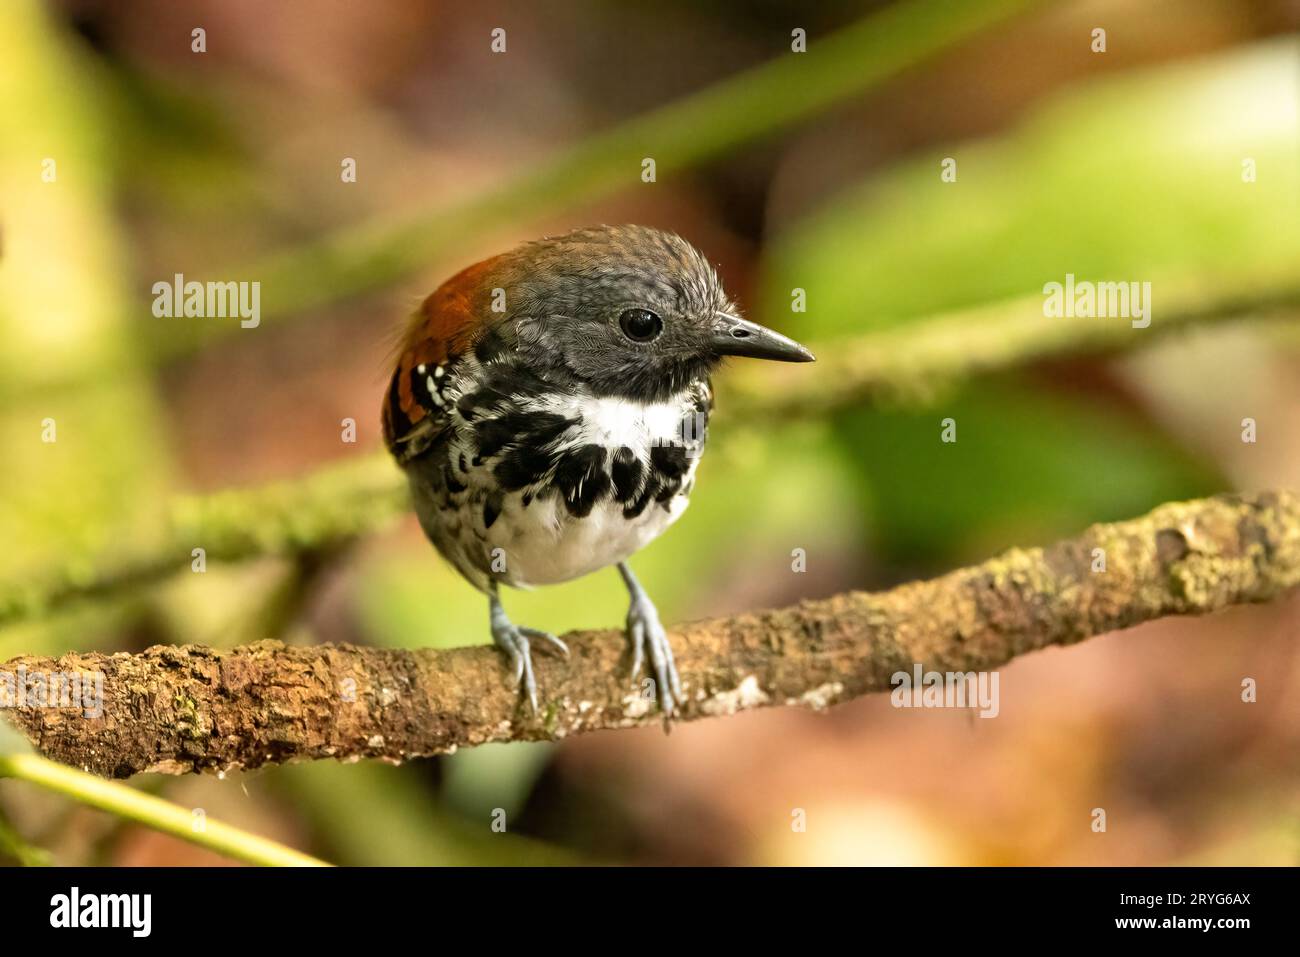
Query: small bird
{"x": 549, "y": 407}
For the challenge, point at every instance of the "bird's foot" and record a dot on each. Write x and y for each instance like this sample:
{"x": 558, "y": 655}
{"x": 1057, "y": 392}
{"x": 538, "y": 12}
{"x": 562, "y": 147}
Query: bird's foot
{"x": 516, "y": 641}
{"x": 644, "y": 630}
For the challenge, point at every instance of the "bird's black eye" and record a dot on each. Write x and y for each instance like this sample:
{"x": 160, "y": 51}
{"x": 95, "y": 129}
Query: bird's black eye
{"x": 640, "y": 325}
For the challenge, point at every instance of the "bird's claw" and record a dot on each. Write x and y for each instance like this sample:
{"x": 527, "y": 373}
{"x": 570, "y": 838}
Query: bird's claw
{"x": 644, "y": 629}
{"x": 514, "y": 640}
{"x": 546, "y": 636}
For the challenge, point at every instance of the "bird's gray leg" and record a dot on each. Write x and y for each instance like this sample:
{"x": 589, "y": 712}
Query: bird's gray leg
{"x": 514, "y": 641}
{"x": 644, "y": 628}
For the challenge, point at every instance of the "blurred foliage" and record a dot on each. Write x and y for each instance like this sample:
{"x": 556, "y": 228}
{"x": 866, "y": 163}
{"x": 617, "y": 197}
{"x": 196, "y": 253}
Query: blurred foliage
{"x": 63, "y": 292}
{"x": 372, "y": 814}
{"x": 1025, "y": 466}
{"x": 1134, "y": 176}
{"x": 63, "y": 311}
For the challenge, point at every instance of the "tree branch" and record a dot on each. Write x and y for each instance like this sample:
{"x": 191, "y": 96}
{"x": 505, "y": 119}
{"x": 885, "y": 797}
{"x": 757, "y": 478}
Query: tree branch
{"x": 175, "y": 710}
{"x": 343, "y": 502}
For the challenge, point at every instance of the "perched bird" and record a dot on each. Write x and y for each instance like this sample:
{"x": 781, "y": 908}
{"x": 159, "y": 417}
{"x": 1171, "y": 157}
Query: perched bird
{"x": 549, "y": 407}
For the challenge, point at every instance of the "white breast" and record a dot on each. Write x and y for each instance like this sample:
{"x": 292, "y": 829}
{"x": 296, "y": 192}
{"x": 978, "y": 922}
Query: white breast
{"x": 615, "y": 422}
{"x": 543, "y": 543}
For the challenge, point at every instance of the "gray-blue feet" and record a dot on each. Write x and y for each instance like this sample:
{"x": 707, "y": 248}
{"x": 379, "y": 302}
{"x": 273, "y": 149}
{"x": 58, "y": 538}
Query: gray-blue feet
{"x": 645, "y": 631}
{"x": 514, "y": 640}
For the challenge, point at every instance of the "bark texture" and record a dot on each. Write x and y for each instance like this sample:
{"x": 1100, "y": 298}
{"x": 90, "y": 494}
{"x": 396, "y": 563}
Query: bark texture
{"x": 181, "y": 709}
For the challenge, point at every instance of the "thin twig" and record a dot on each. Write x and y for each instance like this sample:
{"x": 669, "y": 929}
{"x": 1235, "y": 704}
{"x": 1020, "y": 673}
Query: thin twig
{"x": 132, "y": 805}
{"x": 743, "y": 108}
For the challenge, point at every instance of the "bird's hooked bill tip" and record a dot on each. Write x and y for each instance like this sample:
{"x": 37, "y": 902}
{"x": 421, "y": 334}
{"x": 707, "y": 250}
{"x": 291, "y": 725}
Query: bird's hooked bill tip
{"x": 734, "y": 336}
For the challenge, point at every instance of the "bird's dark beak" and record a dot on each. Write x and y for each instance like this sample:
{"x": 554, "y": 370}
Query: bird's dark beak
{"x": 733, "y": 336}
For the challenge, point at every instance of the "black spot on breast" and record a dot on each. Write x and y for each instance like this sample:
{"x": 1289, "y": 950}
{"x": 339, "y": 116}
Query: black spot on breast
{"x": 492, "y": 435}
{"x": 487, "y": 399}
{"x": 546, "y": 427}
{"x": 491, "y": 508}
{"x": 625, "y": 470}
{"x": 642, "y": 500}
{"x": 667, "y": 490}
{"x": 668, "y": 464}
{"x": 520, "y": 430}
{"x": 523, "y": 465}
{"x": 580, "y": 476}
{"x": 670, "y": 461}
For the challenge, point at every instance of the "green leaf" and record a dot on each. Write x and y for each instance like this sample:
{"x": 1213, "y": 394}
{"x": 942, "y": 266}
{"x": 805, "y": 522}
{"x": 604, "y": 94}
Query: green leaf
{"x": 1025, "y": 468}
{"x": 1134, "y": 177}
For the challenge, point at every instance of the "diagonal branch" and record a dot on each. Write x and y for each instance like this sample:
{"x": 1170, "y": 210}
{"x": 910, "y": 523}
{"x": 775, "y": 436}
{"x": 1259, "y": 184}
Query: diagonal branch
{"x": 343, "y": 502}
{"x": 174, "y": 710}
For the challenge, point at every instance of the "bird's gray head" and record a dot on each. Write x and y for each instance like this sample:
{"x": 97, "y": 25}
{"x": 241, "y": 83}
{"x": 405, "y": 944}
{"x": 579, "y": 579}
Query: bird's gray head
{"x": 628, "y": 311}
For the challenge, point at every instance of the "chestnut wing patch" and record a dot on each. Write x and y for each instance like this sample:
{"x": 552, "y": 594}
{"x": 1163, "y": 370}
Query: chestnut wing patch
{"x": 442, "y": 329}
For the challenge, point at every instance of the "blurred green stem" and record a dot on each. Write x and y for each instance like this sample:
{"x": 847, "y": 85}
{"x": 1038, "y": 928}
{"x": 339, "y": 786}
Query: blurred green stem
{"x": 914, "y": 362}
{"x": 335, "y": 505}
{"x": 132, "y": 805}
{"x": 341, "y": 503}
{"x": 687, "y": 132}
{"x": 754, "y": 103}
